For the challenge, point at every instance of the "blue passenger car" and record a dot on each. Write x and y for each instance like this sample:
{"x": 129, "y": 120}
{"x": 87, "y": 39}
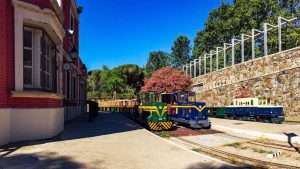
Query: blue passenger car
{"x": 258, "y": 109}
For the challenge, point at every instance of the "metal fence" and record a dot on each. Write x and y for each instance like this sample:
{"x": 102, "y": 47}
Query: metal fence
{"x": 258, "y": 43}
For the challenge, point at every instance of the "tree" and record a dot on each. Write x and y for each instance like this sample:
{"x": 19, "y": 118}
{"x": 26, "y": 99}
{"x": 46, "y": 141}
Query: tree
{"x": 123, "y": 82}
{"x": 133, "y": 76}
{"x": 180, "y": 51}
{"x": 93, "y": 84}
{"x": 168, "y": 80}
{"x": 231, "y": 20}
{"x": 157, "y": 60}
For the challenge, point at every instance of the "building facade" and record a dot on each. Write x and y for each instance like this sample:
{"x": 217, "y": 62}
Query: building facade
{"x": 42, "y": 78}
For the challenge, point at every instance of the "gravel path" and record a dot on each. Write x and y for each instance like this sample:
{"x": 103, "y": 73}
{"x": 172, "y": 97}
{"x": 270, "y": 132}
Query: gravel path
{"x": 110, "y": 142}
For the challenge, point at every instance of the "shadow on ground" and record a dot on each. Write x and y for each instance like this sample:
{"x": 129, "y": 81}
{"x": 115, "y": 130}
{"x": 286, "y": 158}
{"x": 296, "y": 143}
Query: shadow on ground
{"x": 214, "y": 166}
{"x": 39, "y": 161}
{"x": 103, "y": 124}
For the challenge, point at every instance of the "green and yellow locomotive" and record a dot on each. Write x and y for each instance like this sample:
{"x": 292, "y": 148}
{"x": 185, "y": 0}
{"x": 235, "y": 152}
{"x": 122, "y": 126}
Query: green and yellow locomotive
{"x": 154, "y": 113}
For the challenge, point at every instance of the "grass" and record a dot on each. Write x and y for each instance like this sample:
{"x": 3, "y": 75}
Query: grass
{"x": 164, "y": 134}
{"x": 261, "y": 151}
{"x": 235, "y": 145}
{"x": 240, "y": 146}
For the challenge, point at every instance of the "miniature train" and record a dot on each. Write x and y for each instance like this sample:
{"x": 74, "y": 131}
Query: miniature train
{"x": 162, "y": 111}
{"x": 251, "y": 108}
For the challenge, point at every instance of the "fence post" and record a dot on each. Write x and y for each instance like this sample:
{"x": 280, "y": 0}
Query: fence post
{"x": 210, "y": 70}
{"x": 232, "y": 52}
{"x": 265, "y": 25}
{"x": 199, "y": 65}
{"x": 217, "y": 58}
{"x": 279, "y": 34}
{"x": 224, "y": 50}
{"x": 243, "y": 47}
{"x": 205, "y": 63}
{"x": 253, "y": 43}
{"x": 195, "y": 68}
{"x": 191, "y": 73}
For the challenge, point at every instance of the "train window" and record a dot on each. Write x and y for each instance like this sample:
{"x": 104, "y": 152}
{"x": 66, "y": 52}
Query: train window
{"x": 168, "y": 98}
{"x": 251, "y": 102}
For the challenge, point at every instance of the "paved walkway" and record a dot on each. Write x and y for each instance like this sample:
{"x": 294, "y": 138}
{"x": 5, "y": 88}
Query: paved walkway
{"x": 249, "y": 129}
{"x": 110, "y": 142}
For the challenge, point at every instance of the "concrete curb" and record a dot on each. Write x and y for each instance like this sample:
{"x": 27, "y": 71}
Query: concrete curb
{"x": 251, "y": 134}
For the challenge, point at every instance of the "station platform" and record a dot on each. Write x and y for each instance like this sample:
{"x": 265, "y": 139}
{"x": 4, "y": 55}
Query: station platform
{"x": 289, "y": 133}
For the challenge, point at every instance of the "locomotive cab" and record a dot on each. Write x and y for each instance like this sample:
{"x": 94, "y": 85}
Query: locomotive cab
{"x": 184, "y": 109}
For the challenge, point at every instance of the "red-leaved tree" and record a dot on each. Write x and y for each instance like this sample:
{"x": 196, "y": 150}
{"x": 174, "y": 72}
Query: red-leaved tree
{"x": 167, "y": 80}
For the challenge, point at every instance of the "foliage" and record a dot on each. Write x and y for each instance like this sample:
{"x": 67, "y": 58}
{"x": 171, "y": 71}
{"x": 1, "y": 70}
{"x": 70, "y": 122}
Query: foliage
{"x": 230, "y": 20}
{"x": 168, "y": 80}
{"x": 180, "y": 51}
{"x": 157, "y": 60}
{"x": 124, "y": 81}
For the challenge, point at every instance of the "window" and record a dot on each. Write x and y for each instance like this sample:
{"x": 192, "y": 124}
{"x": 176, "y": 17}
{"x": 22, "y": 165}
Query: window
{"x": 72, "y": 25}
{"x": 68, "y": 93}
{"x": 48, "y": 62}
{"x": 39, "y": 60}
{"x": 28, "y": 58}
{"x": 71, "y": 20}
{"x": 74, "y": 87}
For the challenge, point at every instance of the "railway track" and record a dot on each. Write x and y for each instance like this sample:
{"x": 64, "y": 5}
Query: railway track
{"x": 269, "y": 144}
{"x": 274, "y": 145}
{"x": 237, "y": 158}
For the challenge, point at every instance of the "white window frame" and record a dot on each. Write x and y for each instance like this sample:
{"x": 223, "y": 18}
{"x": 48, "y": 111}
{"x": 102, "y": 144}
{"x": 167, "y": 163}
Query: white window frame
{"x": 48, "y": 63}
{"x": 37, "y": 55}
{"x": 32, "y": 59}
{"x": 26, "y": 13}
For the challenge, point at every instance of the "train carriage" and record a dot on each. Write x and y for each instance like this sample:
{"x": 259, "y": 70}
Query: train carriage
{"x": 258, "y": 109}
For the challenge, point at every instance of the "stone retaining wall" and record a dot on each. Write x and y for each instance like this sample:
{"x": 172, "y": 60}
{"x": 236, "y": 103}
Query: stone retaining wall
{"x": 275, "y": 76}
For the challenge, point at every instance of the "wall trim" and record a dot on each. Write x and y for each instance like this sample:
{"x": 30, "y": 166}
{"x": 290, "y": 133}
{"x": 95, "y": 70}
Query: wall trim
{"x": 37, "y": 94}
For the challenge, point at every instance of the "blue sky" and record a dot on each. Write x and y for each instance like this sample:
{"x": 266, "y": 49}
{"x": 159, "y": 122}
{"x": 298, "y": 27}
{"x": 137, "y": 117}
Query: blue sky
{"x": 115, "y": 32}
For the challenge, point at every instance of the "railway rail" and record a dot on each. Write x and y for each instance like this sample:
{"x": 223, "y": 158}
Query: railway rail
{"x": 274, "y": 145}
{"x": 237, "y": 158}
{"x": 291, "y": 148}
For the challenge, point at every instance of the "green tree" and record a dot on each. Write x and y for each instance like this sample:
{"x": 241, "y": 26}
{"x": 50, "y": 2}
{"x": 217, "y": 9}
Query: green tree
{"x": 124, "y": 81}
{"x": 157, "y": 60}
{"x": 180, "y": 51}
{"x": 231, "y": 20}
{"x": 133, "y": 76}
{"x": 93, "y": 84}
